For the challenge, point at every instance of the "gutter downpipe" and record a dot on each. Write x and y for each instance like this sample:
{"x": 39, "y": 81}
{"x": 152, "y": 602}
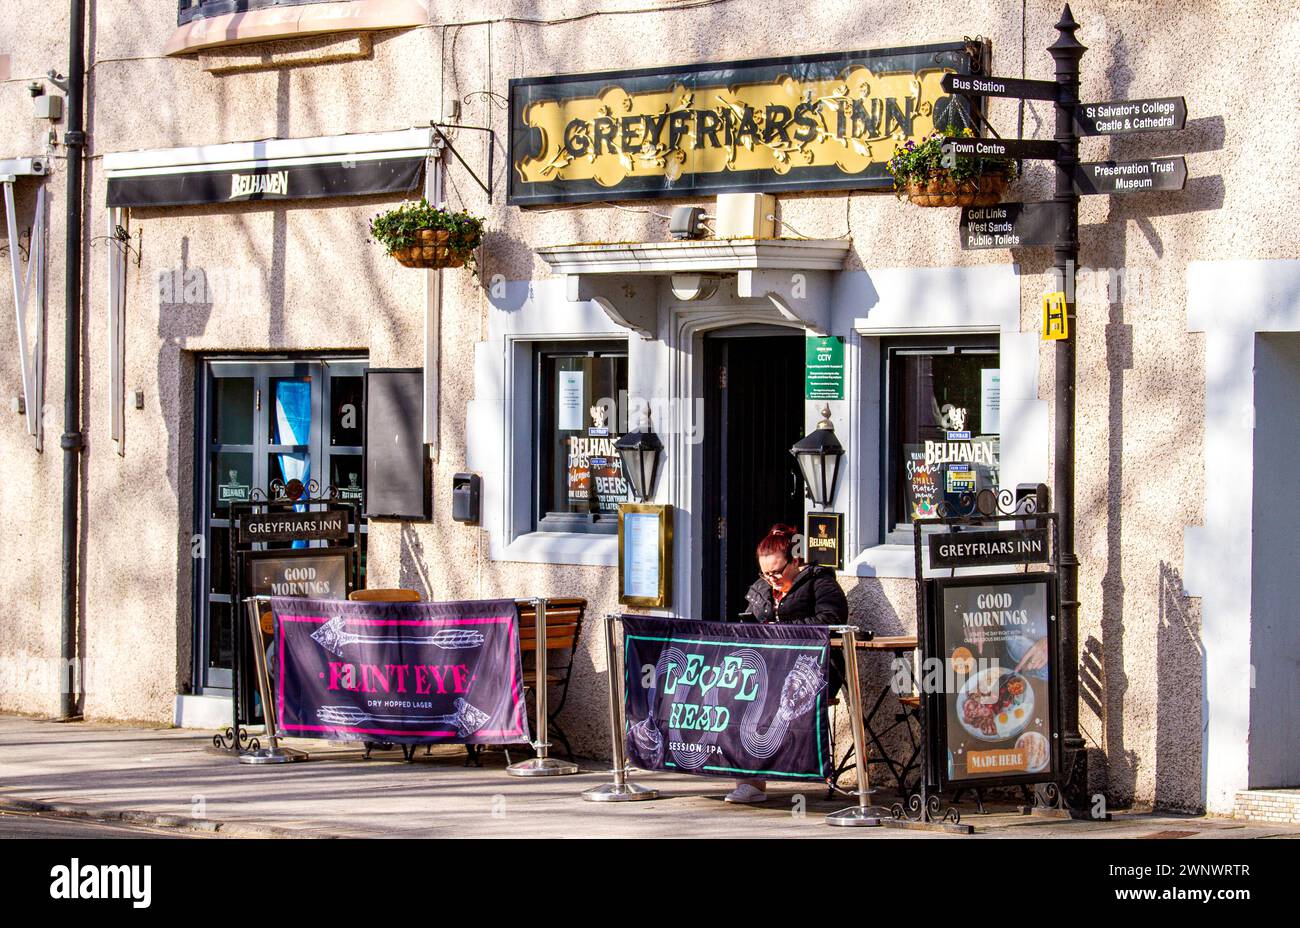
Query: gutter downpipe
{"x": 72, "y": 442}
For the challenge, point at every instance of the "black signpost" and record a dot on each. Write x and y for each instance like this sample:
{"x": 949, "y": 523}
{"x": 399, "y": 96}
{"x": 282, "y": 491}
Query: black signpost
{"x": 1037, "y": 149}
{"x": 1008, "y": 225}
{"x": 1131, "y": 176}
{"x": 1014, "y": 225}
{"x": 974, "y": 85}
{"x": 1123, "y": 117}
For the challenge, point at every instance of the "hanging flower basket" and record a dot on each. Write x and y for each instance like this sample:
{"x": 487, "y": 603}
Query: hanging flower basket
{"x": 985, "y": 190}
{"x": 432, "y": 249}
{"x": 426, "y": 236}
{"x": 919, "y": 173}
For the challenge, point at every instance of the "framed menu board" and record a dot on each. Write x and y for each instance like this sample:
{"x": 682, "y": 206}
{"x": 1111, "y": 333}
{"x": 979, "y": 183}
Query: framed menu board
{"x": 994, "y": 721}
{"x": 645, "y": 546}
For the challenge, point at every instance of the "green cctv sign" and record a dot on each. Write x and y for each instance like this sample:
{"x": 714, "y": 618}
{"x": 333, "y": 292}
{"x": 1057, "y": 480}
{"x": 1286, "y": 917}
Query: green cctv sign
{"x": 824, "y": 367}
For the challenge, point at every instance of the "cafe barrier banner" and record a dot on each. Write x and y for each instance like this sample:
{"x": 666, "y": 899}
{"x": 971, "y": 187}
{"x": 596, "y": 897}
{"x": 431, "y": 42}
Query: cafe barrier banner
{"x": 409, "y": 673}
{"x": 726, "y": 699}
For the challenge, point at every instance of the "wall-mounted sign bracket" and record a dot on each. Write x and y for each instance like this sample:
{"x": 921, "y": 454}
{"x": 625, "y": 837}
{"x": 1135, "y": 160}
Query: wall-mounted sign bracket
{"x": 491, "y": 157}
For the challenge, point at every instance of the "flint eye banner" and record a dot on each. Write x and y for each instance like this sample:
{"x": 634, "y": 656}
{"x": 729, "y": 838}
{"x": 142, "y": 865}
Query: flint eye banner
{"x": 723, "y": 699}
{"x": 410, "y": 673}
{"x": 814, "y": 122}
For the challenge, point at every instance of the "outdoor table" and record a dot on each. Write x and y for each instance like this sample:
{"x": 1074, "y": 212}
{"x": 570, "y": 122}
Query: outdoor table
{"x": 894, "y": 644}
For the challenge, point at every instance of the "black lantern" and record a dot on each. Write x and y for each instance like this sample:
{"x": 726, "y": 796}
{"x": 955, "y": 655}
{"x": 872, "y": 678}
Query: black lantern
{"x": 642, "y": 452}
{"x": 819, "y": 453}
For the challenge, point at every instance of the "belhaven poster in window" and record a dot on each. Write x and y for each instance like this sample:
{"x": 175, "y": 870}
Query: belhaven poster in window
{"x": 595, "y": 475}
{"x": 996, "y": 720}
{"x": 922, "y": 483}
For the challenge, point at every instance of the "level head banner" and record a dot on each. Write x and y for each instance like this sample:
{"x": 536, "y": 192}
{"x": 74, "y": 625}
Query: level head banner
{"x": 723, "y": 699}
{"x": 814, "y": 122}
{"x": 410, "y": 673}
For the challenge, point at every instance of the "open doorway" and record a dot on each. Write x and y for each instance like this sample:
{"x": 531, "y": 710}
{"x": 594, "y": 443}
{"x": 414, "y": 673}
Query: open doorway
{"x": 754, "y": 413}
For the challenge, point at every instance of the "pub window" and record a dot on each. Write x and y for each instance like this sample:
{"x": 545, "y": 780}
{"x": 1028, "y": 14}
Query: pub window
{"x": 581, "y": 390}
{"x": 189, "y": 10}
{"x": 942, "y": 428}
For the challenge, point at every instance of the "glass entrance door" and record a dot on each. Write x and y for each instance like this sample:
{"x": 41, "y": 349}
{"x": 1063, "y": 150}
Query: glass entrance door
{"x": 261, "y": 422}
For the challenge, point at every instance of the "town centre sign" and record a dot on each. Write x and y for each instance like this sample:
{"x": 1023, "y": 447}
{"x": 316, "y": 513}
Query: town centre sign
{"x": 815, "y": 122}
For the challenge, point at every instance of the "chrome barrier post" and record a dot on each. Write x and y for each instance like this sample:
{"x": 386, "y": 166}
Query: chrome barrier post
{"x": 274, "y": 754}
{"x": 863, "y": 814}
{"x": 541, "y": 765}
{"x": 620, "y": 790}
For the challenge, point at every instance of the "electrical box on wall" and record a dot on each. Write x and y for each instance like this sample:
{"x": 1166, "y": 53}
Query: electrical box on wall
{"x": 466, "y": 491}
{"x": 49, "y": 107}
{"x": 745, "y": 215}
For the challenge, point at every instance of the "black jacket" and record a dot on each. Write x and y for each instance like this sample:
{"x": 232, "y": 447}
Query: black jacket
{"x": 815, "y": 598}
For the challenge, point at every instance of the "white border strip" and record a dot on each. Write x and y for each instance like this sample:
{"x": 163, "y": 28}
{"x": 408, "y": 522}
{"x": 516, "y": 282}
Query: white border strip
{"x": 270, "y": 152}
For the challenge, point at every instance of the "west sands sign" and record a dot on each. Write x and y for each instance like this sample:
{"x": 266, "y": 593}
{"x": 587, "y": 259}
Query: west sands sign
{"x": 816, "y": 122}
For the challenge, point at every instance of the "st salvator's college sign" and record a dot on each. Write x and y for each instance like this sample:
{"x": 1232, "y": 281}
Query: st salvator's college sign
{"x": 815, "y": 122}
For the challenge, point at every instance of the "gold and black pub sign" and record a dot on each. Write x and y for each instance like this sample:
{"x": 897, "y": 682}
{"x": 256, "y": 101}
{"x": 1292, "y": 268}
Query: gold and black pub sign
{"x": 814, "y": 122}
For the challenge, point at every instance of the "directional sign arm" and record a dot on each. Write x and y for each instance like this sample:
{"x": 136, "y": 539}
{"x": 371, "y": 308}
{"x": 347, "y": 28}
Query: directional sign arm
{"x": 972, "y": 85}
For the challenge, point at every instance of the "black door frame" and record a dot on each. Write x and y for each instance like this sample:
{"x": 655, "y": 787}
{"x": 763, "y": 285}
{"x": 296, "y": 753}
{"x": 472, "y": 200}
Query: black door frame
{"x": 261, "y": 368}
{"x": 717, "y": 493}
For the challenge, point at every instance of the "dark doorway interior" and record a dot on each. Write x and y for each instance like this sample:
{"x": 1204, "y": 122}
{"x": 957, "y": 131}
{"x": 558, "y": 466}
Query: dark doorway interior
{"x": 754, "y": 413}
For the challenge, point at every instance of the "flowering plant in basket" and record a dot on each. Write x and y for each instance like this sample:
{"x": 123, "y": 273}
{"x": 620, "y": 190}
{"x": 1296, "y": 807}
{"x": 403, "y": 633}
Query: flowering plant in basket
{"x": 419, "y": 234}
{"x": 919, "y": 173}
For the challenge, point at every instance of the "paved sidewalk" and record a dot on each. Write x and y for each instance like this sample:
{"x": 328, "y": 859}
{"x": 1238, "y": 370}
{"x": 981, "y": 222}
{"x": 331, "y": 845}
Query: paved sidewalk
{"x": 172, "y": 777}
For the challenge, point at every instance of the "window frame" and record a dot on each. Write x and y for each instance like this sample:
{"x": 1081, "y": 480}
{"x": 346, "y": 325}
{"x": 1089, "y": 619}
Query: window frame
{"x": 892, "y": 531}
{"x": 189, "y": 10}
{"x": 593, "y": 523}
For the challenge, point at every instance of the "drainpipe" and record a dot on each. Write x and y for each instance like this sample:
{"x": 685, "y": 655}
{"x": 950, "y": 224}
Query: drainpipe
{"x": 71, "y": 443}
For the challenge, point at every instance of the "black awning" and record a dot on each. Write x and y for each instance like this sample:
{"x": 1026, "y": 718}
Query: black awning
{"x": 268, "y": 181}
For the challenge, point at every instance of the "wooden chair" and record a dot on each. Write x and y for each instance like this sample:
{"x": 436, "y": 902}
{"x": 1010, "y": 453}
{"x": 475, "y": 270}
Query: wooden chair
{"x": 385, "y": 595}
{"x": 563, "y": 629}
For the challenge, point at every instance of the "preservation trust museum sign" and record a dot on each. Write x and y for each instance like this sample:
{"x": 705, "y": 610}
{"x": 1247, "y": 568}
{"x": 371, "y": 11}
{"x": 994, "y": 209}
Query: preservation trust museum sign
{"x": 812, "y": 122}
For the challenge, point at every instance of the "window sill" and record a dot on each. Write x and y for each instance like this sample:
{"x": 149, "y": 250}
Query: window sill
{"x": 893, "y": 561}
{"x": 294, "y": 22}
{"x": 562, "y": 548}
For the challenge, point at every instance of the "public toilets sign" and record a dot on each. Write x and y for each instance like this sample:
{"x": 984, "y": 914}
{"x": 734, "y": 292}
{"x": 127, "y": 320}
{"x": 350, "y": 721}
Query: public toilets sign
{"x": 727, "y": 699}
{"x": 813, "y": 122}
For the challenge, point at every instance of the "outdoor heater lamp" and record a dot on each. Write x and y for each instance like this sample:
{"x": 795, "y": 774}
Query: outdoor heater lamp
{"x": 819, "y": 453}
{"x": 642, "y": 453}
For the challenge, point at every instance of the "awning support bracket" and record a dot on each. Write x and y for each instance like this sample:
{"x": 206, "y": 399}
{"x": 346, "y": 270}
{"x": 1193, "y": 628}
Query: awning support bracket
{"x": 29, "y": 357}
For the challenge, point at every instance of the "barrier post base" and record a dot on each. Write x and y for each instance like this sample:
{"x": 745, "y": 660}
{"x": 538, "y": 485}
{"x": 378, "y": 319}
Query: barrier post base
{"x": 275, "y": 755}
{"x": 856, "y": 816}
{"x": 619, "y": 792}
{"x": 542, "y": 767}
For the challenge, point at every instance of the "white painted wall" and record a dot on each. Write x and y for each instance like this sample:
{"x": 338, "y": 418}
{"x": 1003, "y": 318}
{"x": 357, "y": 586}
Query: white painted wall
{"x": 1230, "y": 301}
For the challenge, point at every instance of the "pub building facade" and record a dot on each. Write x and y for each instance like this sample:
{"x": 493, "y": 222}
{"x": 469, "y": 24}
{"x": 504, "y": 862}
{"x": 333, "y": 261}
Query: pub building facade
{"x": 233, "y": 304}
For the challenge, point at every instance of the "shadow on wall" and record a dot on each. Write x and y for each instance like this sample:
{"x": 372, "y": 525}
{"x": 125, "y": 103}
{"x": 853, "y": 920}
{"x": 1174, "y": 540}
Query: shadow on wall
{"x": 412, "y": 572}
{"x": 1180, "y": 726}
{"x": 1104, "y": 683}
